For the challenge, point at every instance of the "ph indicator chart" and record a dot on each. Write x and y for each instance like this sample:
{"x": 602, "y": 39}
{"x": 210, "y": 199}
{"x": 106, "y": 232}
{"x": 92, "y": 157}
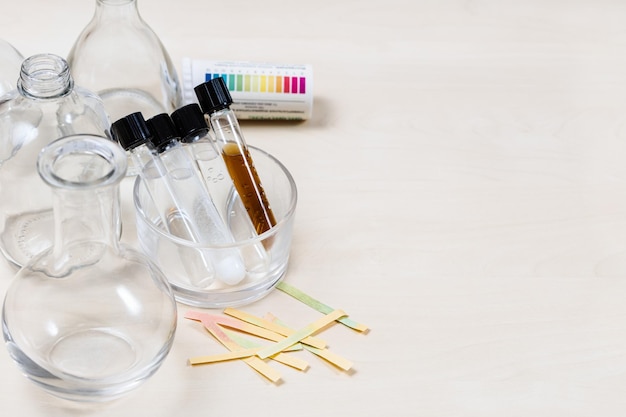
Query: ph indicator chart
{"x": 259, "y": 90}
{"x": 262, "y": 83}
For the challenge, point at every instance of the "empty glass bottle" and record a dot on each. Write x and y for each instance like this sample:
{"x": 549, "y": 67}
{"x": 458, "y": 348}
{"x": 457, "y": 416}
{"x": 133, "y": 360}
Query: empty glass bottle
{"x": 45, "y": 106}
{"x": 89, "y": 319}
{"x": 120, "y": 57}
{"x": 10, "y": 63}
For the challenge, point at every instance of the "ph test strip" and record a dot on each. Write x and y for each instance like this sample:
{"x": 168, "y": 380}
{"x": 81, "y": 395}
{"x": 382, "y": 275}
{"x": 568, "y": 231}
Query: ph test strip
{"x": 259, "y": 90}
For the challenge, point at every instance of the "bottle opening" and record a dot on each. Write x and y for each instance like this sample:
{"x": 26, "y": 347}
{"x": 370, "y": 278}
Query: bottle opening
{"x": 82, "y": 161}
{"x": 45, "y": 76}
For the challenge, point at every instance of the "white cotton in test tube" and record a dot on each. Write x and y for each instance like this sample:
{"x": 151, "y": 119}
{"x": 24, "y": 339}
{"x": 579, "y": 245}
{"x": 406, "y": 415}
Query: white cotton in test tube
{"x": 261, "y": 91}
{"x": 228, "y": 263}
{"x": 229, "y": 269}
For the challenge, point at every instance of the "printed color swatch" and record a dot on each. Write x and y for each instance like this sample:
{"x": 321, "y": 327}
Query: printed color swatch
{"x": 262, "y": 83}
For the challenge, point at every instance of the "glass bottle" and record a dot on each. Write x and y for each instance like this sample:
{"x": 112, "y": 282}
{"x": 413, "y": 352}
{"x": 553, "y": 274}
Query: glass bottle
{"x": 10, "y": 63}
{"x": 215, "y": 101}
{"x": 89, "y": 319}
{"x": 121, "y": 58}
{"x": 45, "y": 106}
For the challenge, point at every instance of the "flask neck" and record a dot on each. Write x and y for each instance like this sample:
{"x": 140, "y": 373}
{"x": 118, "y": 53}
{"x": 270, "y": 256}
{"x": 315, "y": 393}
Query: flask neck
{"x": 116, "y": 9}
{"x": 45, "y": 76}
{"x": 85, "y": 216}
{"x": 84, "y": 173}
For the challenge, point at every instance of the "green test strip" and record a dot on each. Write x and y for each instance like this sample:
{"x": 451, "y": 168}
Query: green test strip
{"x": 318, "y": 305}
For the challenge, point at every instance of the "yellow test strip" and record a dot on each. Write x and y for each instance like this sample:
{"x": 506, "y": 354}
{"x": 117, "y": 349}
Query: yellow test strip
{"x": 331, "y": 357}
{"x": 301, "y": 334}
{"x": 236, "y": 354}
{"x": 326, "y": 354}
{"x": 283, "y": 358}
{"x": 274, "y": 327}
{"x": 252, "y": 361}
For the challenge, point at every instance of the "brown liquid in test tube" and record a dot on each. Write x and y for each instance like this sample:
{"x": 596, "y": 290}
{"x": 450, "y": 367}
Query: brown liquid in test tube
{"x": 215, "y": 100}
{"x": 246, "y": 180}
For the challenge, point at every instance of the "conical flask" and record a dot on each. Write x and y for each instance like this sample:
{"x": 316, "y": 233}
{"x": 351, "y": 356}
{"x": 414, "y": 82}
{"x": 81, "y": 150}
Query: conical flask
{"x": 89, "y": 319}
{"x": 45, "y": 106}
{"x": 10, "y": 63}
{"x": 119, "y": 56}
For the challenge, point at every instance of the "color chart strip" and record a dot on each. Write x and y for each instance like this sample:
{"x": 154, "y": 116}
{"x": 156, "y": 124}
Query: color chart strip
{"x": 262, "y": 83}
{"x": 261, "y": 91}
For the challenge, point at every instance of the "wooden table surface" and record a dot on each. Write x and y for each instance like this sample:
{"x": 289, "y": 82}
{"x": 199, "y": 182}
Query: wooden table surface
{"x": 462, "y": 191}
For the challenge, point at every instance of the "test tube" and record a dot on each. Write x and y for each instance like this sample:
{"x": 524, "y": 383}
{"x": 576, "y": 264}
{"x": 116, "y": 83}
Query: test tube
{"x": 195, "y": 214}
{"x": 215, "y": 101}
{"x": 133, "y": 135}
{"x": 194, "y": 135}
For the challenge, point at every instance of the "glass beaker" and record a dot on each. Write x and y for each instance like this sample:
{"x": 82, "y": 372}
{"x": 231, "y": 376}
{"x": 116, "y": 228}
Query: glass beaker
{"x": 263, "y": 270}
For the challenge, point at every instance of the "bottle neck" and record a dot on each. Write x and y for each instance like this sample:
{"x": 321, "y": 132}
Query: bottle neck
{"x": 84, "y": 173}
{"x": 45, "y": 76}
{"x": 116, "y": 9}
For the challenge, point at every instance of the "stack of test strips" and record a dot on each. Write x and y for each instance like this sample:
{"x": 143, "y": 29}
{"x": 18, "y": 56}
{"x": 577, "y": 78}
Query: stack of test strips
{"x": 224, "y": 327}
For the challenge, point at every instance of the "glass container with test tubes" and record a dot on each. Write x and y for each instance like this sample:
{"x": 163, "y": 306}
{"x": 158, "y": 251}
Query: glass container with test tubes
{"x": 265, "y": 255}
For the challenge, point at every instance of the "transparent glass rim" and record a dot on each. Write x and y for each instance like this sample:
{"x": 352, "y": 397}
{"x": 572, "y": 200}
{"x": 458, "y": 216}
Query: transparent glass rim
{"x": 83, "y": 144}
{"x": 289, "y": 213}
{"x": 44, "y": 76}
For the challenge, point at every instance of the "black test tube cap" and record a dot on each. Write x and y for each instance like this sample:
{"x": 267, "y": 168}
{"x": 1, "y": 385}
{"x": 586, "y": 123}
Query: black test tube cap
{"x": 131, "y": 131}
{"x": 163, "y": 131}
{"x": 213, "y": 95}
{"x": 189, "y": 121}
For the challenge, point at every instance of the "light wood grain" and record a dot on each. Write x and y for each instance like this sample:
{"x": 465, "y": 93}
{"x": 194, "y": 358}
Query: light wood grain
{"x": 462, "y": 190}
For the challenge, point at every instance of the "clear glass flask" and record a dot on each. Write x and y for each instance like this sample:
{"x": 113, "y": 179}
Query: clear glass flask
{"x": 121, "y": 58}
{"x": 10, "y": 64}
{"x": 45, "y": 106}
{"x": 89, "y": 319}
